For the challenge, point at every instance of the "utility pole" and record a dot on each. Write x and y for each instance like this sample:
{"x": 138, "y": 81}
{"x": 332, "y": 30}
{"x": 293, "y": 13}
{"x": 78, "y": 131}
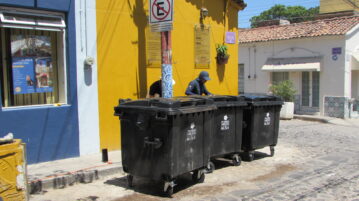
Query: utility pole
{"x": 161, "y": 20}
{"x": 166, "y": 71}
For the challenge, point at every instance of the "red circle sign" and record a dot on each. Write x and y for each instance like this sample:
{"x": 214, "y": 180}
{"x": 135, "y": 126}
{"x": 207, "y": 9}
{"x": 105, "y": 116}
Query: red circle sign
{"x": 156, "y": 9}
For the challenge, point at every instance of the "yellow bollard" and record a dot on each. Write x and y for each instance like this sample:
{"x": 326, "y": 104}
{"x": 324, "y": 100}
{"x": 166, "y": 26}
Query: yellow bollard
{"x": 13, "y": 185}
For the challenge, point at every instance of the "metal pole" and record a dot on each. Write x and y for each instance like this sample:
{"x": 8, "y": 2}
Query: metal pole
{"x": 166, "y": 71}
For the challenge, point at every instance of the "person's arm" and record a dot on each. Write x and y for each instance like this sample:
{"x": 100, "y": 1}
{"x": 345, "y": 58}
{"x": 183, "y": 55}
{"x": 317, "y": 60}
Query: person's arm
{"x": 190, "y": 89}
{"x": 206, "y": 91}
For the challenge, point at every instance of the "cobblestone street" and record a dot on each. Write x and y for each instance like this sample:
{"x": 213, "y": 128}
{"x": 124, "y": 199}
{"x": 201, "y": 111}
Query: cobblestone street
{"x": 312, "y": 161}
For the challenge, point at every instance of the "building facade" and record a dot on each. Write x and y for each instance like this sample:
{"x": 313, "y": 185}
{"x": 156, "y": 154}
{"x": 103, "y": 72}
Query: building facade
{"x": 65, "y": 64}
{"x": 43, "y": 75}
{"x": 331, "y": 6}
{"x": 39, "y": 77}
{"x": 319, "y": 57}
{"x": 129, "y": 59}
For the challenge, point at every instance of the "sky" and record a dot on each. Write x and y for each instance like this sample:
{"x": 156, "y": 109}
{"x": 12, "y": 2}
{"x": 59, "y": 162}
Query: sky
{"x": 255, "y": 7}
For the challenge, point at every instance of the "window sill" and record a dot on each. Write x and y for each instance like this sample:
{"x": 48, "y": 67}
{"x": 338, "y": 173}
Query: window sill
{"x": 32, "y": 107}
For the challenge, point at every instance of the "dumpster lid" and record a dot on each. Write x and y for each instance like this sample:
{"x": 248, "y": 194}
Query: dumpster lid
{"x": 224, "y": 100}
{"x": 262, "y": 99}
{"x": 171, "y": 106}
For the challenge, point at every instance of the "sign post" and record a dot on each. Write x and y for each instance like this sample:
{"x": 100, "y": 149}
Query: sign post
{"x": 161, "y": 18}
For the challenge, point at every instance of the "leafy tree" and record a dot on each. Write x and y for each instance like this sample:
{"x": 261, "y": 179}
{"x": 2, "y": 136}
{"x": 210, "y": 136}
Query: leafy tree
{"x": 292, "y": 13}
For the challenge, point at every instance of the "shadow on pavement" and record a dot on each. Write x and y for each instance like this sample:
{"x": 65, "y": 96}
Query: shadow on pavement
{"x": 257, "y": 156}
{"x": 151, "y": 187}
{"x": 222, "y": 162}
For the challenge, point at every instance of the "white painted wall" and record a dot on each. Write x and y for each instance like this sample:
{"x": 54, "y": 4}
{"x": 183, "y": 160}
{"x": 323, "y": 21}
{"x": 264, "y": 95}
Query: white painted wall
{"x": 355, "y": 84}
{"x": 333, "y": 79}
{"x": 352, "y": 45}
{"x": 87, "y": 78}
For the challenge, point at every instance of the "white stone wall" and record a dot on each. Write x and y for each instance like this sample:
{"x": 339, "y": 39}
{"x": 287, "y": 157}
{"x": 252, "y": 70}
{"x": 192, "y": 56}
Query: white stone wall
{"x": 333, "y": 79}
{"x": 87, "y": 77}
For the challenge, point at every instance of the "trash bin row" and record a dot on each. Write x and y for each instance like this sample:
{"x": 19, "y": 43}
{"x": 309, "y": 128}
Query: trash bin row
{"x": 164, "y": 138}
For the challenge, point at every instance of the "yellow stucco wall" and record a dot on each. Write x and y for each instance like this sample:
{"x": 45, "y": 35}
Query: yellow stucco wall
{"x": 122, "y": 67}
{"x": 329, "y": 6}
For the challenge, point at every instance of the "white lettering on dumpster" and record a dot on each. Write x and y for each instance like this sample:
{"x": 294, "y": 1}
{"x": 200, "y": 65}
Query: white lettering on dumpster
{"x": 191, "y": 133}
{"x": 225, "y": 123}
{"x": 267, "y": 119}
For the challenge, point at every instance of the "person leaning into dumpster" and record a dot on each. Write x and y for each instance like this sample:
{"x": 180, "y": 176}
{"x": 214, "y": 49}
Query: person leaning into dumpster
{"x": 197, "y": 86}
{"x": 156, "y": 88}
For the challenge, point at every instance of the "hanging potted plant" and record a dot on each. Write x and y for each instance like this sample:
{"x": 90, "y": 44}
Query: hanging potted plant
{"x": 222, "y": 55}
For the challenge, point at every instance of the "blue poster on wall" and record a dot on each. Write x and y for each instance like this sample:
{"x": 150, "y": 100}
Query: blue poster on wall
{"x": 32, "y": 64}
{"x": 23, "y": 75}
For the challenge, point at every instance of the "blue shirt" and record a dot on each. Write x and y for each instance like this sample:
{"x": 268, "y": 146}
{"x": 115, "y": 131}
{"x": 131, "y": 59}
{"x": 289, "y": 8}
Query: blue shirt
{"x": 196, "y": 87}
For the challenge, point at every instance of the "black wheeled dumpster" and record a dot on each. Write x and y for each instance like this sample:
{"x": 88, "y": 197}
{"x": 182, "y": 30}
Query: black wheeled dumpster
{"x": 226, "y": 138}
{"x": 261, "y": 123}
{"x": 164, "y": 138}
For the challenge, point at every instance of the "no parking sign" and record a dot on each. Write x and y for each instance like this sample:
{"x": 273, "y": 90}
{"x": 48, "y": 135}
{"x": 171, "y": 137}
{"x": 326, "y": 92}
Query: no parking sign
{"x": 161, "y": 15}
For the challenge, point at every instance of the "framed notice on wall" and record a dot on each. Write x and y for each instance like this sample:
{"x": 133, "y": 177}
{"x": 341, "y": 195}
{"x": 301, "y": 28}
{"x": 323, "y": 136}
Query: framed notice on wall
{"x": 153, "y": 49}
{"x": 202, "y": 46}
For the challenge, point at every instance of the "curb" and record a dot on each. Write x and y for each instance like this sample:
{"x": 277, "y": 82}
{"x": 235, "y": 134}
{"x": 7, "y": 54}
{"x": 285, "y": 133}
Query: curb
{"x": 71, "y": 178}
{"x": 307, "y": 118}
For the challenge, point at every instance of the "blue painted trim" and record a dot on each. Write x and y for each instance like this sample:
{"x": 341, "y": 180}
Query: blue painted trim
{"x": 21, "y": 3}
{"x": 50, "y": 132}
{"x": 63, "y": 5}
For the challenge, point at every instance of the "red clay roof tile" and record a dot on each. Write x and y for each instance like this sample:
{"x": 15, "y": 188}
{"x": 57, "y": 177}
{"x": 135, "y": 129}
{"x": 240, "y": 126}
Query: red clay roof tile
{"x": 333, "y": 26}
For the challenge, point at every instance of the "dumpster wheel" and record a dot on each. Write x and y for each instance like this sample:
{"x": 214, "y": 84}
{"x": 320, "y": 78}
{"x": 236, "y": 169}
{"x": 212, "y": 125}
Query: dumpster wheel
{"x": 250, "y": 155}
{"x": 236, "y": 159}
{"x": 210, "y": 167}
{"x": 169, "y": 191}
{"x": 272, "y": 150}
{"x": 168, "y": 187}
{"x": 130, "y": 180}
{"x": 198, "y": 176}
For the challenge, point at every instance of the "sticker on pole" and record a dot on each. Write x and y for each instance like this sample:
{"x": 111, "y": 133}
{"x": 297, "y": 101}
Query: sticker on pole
{"x": 161, "y": 15}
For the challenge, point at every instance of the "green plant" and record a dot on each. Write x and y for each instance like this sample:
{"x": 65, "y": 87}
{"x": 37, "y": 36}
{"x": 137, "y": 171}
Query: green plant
{"x": 222, "y": 55}
{"x": 285, "y": 90}
{"x": 222, "y": 51}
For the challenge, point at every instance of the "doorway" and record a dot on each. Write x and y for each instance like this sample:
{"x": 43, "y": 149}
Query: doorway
{"x": 310, "y": 91}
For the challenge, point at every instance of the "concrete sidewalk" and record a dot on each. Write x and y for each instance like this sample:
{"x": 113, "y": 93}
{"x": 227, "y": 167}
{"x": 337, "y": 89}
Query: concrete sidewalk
{"x": 85, "y": 169}
{"x": 67, "y": 172}
{"x": 331, "y": 120}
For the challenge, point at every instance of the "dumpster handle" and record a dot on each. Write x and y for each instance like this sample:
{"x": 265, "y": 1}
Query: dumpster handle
{"x": 161, "y": 116}
{"x": 244, "y": 124}
{"x": 156, "y": 142}
{"x": 140, "y": 125}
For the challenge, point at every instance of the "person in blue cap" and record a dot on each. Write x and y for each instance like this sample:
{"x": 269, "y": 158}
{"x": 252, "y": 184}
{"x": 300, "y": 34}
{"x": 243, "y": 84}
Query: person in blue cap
{"x": 197, "y": 87}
